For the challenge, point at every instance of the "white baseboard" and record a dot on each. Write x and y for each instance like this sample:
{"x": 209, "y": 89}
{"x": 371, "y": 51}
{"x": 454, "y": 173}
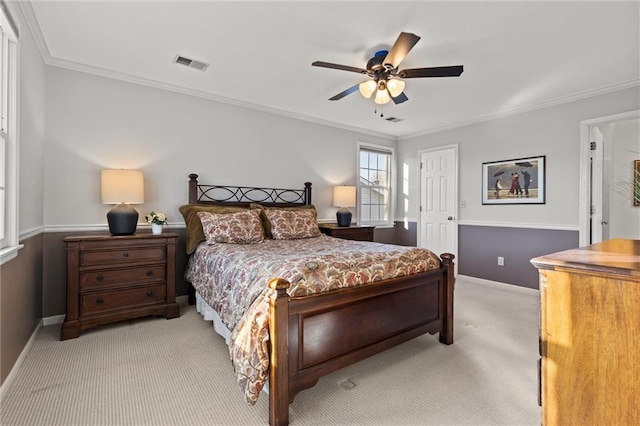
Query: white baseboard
{"x": 14, "y": 370}
{"x": 55, "y": 319}
{"x": 499, "y": 284}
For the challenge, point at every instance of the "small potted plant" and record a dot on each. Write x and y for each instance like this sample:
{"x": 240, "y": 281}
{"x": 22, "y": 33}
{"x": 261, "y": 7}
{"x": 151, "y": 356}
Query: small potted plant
{"x": 157, "y": 220}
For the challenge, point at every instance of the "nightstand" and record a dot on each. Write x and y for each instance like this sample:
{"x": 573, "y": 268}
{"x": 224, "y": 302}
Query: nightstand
{"x": 360, "y": 233}
{"x": 116, "y": 278}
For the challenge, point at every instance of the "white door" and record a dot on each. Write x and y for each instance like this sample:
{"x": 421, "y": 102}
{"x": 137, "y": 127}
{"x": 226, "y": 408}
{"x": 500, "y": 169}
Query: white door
{"x": 597, "y": 162}
{"x": 438, "y": 200}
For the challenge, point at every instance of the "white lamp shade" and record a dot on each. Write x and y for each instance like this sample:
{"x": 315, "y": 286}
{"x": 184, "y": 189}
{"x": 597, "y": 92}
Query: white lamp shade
{"x": 382, "y": 96}
{"x": 344, "y": 196}
{"x": 122, "y": 186}
{"x": 367, "y": 88}
{"x": 395, "y": 87}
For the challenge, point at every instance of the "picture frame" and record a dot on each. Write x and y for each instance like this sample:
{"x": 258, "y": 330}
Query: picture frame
{"x": 636, "y": 183}
{"x": 516, "y": 181}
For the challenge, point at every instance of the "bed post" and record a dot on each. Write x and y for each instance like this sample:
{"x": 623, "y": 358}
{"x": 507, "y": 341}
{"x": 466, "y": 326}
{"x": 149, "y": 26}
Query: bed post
{"x": 279, "y": 360}
{"x": 193, "y": 199}
{"x": 307, "y": 193}
{"x": 193, "y": 188}
{"x": 446, "y": 335}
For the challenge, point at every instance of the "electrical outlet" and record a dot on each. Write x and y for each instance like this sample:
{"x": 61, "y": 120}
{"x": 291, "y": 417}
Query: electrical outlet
{"x": 500, "y": 261}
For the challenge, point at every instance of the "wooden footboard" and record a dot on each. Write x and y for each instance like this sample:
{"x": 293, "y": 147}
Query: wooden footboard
{"x": 315, "y": 335}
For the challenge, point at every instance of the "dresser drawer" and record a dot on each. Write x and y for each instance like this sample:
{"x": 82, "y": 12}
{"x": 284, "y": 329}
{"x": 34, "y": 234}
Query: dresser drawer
{"x": 103, "y": 257}
{"x": 96, "y": 302}
{"x": 114, "y": 277}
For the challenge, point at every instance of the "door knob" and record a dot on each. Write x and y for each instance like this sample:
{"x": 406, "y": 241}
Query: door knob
{"x": 450, "y": 218}
{"x": 604, "y": 222}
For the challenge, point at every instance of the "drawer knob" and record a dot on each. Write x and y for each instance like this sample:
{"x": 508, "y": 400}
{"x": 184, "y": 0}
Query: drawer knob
{"x": 149, "y": 293}
{"x": 125, "y": 254}
{"x": 99, "y": 300}
{"x": 99, "y": 278}
{"x": 149, "y": 273}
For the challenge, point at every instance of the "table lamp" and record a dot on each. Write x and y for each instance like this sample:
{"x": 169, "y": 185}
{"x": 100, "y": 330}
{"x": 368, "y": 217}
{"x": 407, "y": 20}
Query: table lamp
{"x": 122, "y": 187}
{"x": 344, "y": 197}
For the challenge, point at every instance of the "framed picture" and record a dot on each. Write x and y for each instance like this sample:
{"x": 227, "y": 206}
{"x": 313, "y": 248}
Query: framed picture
{"x": 518, "y": 181}
{"x": 636, "y": 182}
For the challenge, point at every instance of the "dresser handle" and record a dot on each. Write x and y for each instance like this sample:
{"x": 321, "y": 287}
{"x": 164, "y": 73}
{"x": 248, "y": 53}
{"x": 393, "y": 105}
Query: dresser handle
{"x": 126, "y": 254}
{"x": 149, "y": 273}
{"x": 149, "y": 293}
{"x": 99, "y": 278}
{"x": 99, "y": 300}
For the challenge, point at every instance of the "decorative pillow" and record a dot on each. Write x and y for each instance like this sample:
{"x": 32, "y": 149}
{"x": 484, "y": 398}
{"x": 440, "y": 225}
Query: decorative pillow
{"x": 292, "y": 224}
{"x": 265, "y": 220}
{"x": 234, "y": 228}
{"x": 195, "y": 234}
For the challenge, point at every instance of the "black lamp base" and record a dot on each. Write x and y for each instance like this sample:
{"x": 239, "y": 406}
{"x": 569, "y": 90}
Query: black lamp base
{"x": 344, "y": 216}
{"x": 122, "y": 219}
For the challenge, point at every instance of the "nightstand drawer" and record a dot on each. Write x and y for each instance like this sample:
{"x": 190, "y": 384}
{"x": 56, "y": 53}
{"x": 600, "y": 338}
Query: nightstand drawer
{"x": 115, "y": 277}
{"x": 96, "y": 302}
{"x": 123, "y": 255}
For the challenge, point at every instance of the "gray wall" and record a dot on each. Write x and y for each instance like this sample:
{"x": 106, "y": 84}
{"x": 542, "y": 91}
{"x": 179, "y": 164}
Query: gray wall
{"x": 21, "y": 278}
{"x": 20, "y": 301}
{"x": 552, "y": 131}
{"x": 480, "y": 247}
{"x": 94, "y": 122}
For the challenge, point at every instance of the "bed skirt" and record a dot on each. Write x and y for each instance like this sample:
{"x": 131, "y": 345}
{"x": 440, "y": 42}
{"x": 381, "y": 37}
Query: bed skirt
{"x": 210, "y": 314}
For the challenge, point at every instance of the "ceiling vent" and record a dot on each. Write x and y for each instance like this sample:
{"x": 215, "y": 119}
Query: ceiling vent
{"x": 393, "y": 119}
{"x": 191, "y": 63}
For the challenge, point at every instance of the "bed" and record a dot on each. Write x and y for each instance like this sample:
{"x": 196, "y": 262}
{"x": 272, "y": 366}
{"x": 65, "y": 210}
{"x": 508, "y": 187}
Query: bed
{"x": 310, "y": 334}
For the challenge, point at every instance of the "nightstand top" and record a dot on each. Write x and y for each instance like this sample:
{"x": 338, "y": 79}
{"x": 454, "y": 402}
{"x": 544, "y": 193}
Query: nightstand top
{"x": 107, "y": 236}
{"x": 335, "y": 226}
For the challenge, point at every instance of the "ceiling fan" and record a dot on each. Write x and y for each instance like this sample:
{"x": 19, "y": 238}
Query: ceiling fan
{"x": 385, "y": 77}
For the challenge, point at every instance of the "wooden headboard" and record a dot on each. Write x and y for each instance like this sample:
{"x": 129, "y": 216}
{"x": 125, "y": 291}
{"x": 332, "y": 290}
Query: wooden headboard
{"x": 243, "y": 195}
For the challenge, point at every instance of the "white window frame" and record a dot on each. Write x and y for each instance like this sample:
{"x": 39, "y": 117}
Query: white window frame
{"x": 391, "y": 184}
{"x": 9, "y": 62}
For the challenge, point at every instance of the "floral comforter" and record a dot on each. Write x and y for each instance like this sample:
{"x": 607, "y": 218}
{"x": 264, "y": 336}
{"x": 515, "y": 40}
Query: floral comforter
{"x": 232, "y": 278}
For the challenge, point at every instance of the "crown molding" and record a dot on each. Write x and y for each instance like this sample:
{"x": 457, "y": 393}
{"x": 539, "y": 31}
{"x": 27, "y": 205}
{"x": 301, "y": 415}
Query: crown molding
{"x": 528, "y": 108}
{"x": 116, "y": 75}
{"x": 34, "y": 27}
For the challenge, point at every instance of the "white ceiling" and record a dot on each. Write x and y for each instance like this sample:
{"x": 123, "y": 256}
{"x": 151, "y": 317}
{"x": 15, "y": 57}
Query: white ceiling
{"x": 517, "y": 55}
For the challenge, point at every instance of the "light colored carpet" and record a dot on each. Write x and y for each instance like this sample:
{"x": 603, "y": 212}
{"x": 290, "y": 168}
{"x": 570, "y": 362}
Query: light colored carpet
{"x": 177, "y": 372}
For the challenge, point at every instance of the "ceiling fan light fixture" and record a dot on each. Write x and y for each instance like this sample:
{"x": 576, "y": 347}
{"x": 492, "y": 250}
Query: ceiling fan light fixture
{"x": 395, "y": 86}
{"x": 382, "y": 96}
{"x": 367, "y": 88}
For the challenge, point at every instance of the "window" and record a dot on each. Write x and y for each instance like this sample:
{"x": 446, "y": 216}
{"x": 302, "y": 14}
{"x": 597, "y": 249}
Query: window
{"x": 8, "y": 136}
{"x": 375, "y": 164}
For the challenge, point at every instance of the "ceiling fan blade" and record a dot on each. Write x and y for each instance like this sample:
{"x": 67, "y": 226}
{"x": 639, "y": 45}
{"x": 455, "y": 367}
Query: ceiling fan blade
{"x": 400, "y": 98}
{"x": 404, "y": 43}
{"x": 344, "y": 93}
{"x": 339, "y": 67}
{"x": 451, "y": 71}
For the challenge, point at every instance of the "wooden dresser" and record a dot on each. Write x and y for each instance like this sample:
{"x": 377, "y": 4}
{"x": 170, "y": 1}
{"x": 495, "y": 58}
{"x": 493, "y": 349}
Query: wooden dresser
{"x": 590, "y": 334}
{"x": 360, "y": 233}
{"x": 113, "y": 278}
